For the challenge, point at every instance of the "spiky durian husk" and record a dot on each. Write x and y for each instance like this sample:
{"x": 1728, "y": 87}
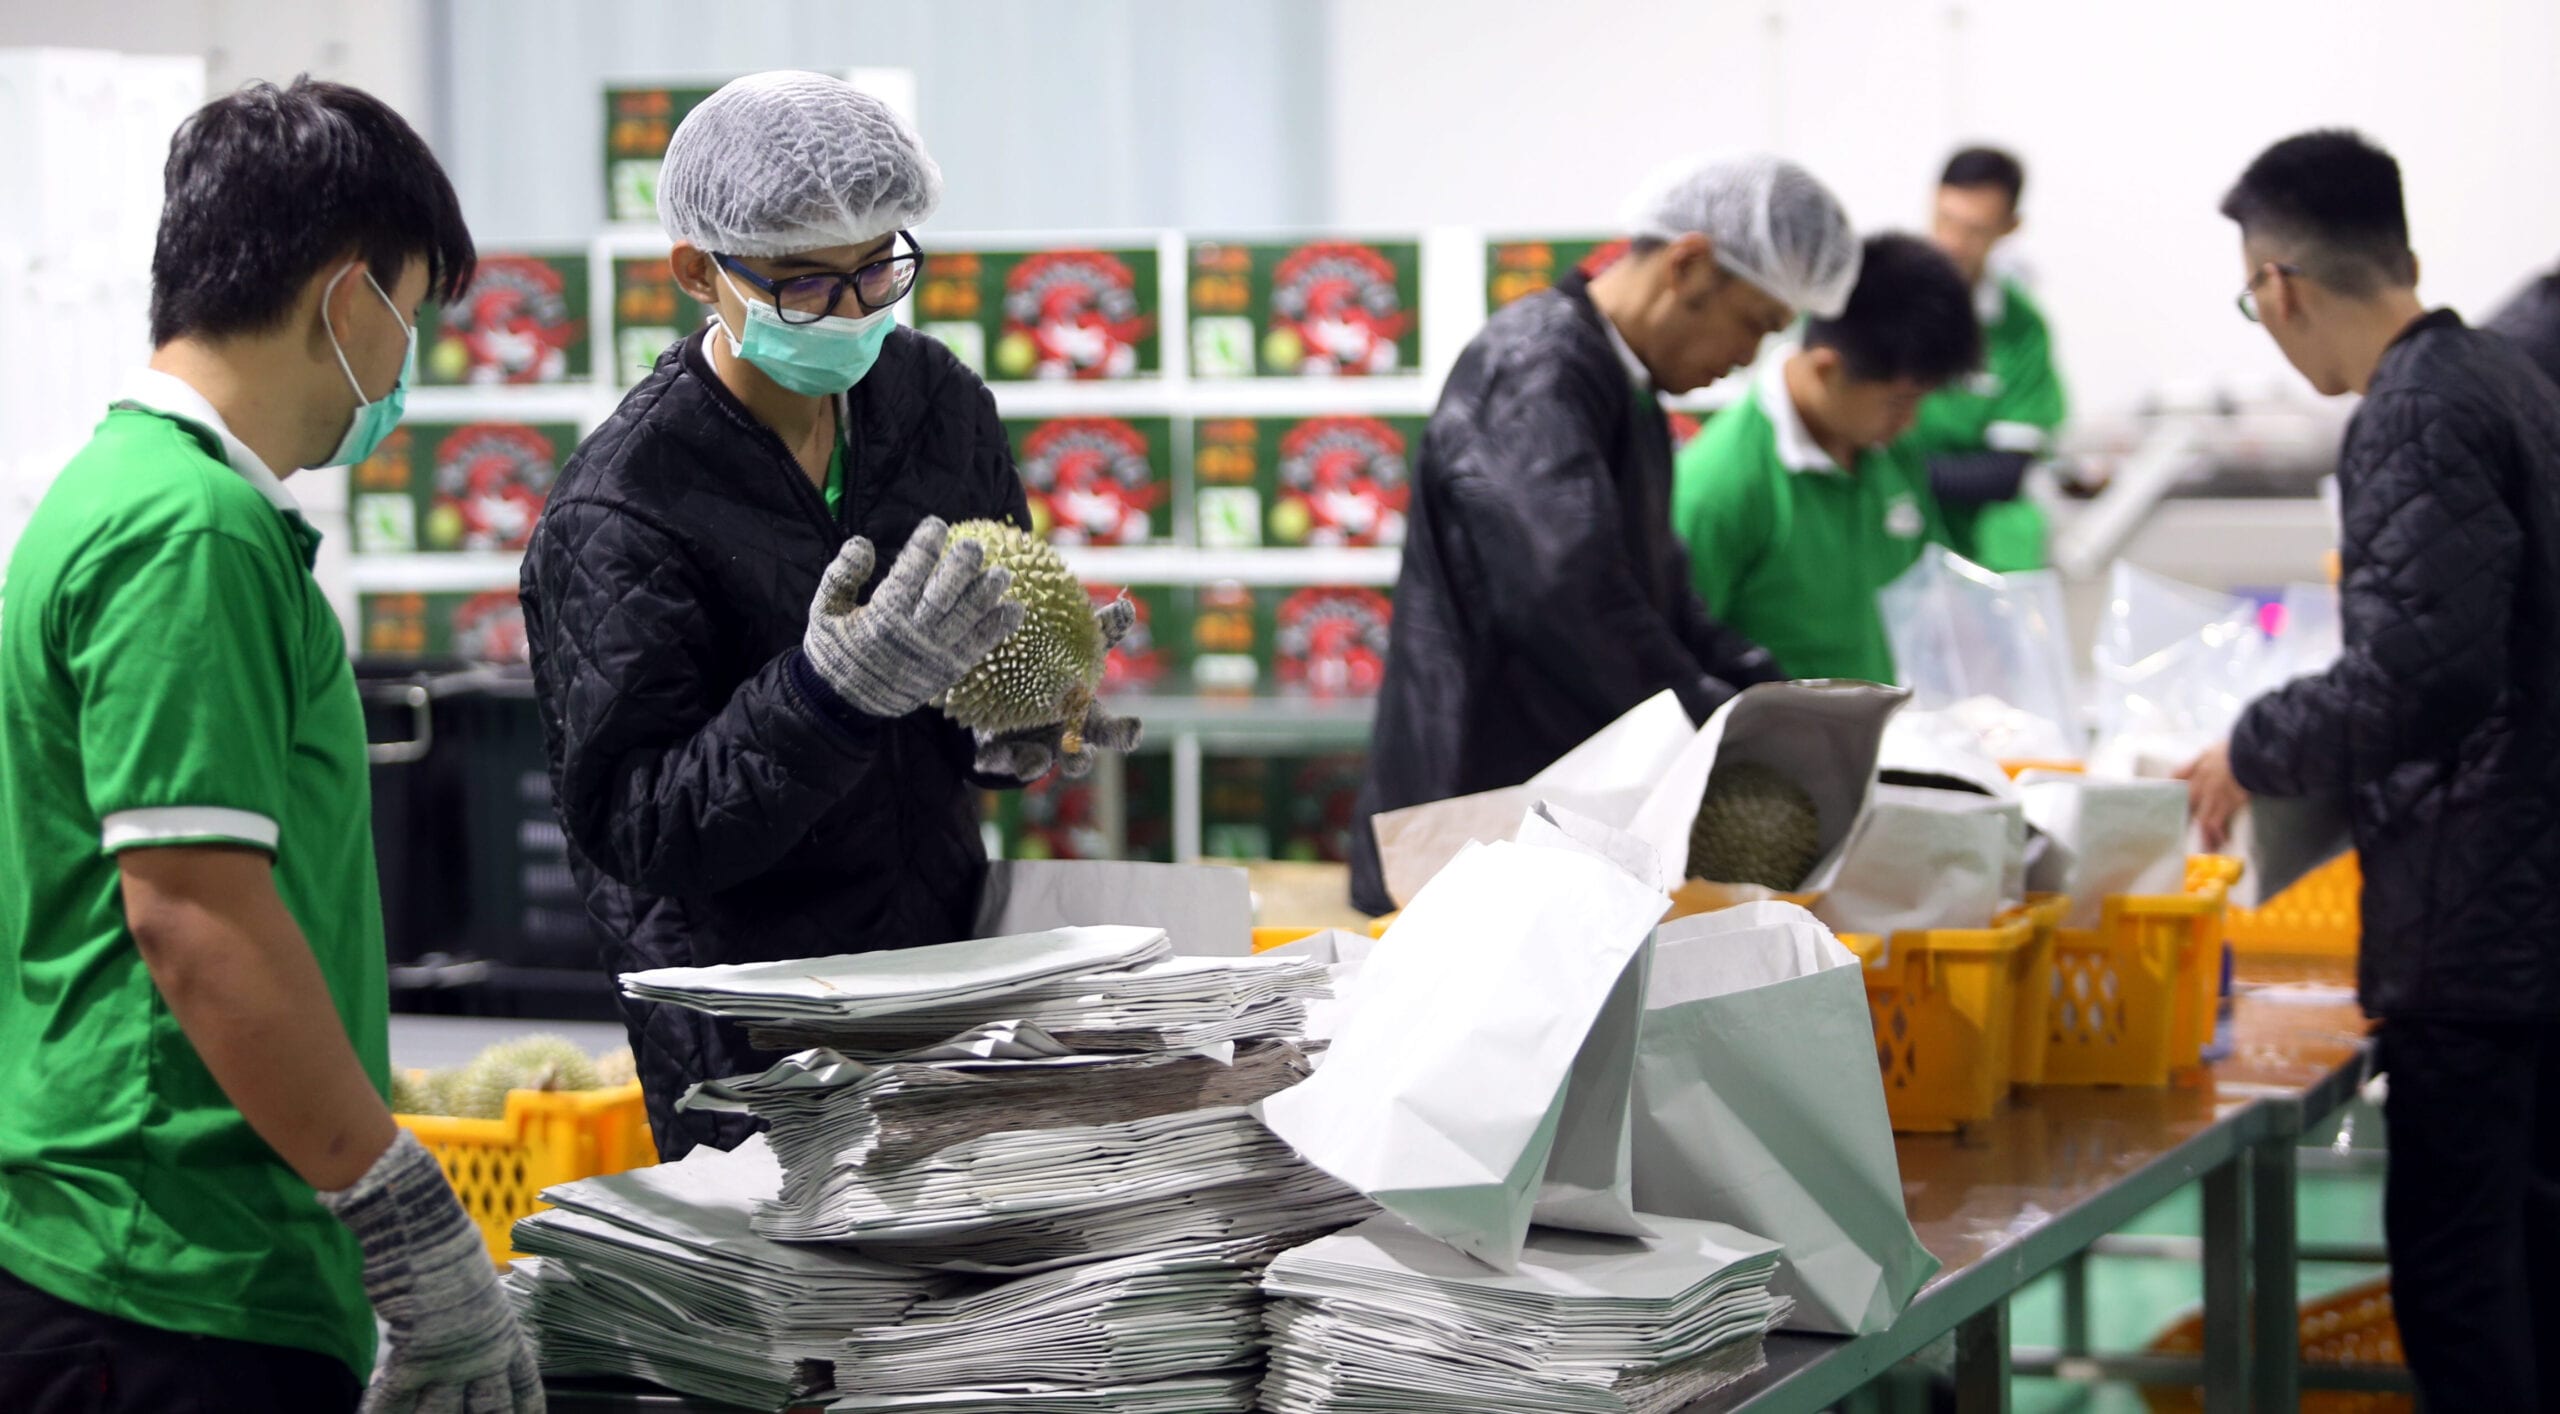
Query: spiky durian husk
{"x": 542, "y": 1062}
{"x": 1755, "y": 826}
{"x": 411, "y": 1093}
{"x": 617, "y": 1067}
{"x": 1046, "y": 672}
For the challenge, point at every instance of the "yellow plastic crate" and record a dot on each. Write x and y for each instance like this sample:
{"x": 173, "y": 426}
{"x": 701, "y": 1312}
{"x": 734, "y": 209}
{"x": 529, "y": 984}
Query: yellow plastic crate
{"x": 2031, "y": 1044}
{"x": 2135, "y": 997}
{"x": 497, "y": 1166}
{"x": 1265, "y": 939}
{"x": 2320, "y": 916}
{"x": 2354, "y": 1326}
{"x": 1944, "y": 1004}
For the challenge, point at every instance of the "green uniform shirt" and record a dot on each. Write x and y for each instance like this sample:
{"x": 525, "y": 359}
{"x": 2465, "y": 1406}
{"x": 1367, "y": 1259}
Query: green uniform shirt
{"x": 2015, "y": 404}
{"x": 835, "y": 483}
{"x": 1790, "y": 549}
{"x": 171, "y": 674}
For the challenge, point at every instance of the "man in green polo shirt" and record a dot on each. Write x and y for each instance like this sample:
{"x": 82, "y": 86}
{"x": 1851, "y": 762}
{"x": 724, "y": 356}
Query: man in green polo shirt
{"x": 1979, "y": 435}
{"x": 204, "y": 1203}
{"x": 1795, "y": 503}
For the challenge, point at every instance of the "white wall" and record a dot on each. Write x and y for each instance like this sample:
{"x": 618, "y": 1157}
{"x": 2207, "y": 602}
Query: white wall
{"x": 2132, "y": 122}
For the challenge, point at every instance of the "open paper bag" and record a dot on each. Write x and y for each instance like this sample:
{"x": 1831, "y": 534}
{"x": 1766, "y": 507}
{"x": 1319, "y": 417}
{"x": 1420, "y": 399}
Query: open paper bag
{"x": 1758, "y": 1103}
{"x": 1479, "y": 1078}
{"x": 1646, "y": 772}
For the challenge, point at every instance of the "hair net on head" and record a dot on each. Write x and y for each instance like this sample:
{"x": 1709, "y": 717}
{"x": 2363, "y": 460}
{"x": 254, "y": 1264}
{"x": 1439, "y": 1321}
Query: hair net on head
{"x": 787, "y": 161}
{"x": 1771, "y": 223}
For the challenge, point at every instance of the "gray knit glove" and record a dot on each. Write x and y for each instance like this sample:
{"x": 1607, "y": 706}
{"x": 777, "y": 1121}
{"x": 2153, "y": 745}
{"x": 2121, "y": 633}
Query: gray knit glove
{"x": 453, "y": 1342}
{"x": 936, "y": 617}
{"x": 1027, "y": 756}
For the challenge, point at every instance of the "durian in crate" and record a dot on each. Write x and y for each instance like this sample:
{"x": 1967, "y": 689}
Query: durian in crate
{"x": 1755, "y": 826}
{"x": 1046, "y": 672}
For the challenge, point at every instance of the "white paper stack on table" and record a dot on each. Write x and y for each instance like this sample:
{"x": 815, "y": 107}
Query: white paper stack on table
{"x": 1121, "y": 1325}
{"x": 1382, "y": 1318}
{"x": 1174, "y": 1004}
{"x": 656, "y": 1274}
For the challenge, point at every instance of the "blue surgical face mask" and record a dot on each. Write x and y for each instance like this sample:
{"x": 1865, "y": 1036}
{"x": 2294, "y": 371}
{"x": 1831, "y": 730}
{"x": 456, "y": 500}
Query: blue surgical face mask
{"x": 816, "y": 360}
{"x": 374, "y": 417}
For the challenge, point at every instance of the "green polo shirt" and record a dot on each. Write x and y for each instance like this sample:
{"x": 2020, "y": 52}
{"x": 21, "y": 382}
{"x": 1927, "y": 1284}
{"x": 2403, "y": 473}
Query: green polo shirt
{"x": 2015, "y": 404}
{"x": 171, "y": 674}
{"x": 1790, "y": 549}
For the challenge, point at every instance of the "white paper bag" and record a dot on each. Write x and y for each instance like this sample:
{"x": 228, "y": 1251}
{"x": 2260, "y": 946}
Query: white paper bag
{"x": 2125, "y": 836}
{"x": 1444, "y": 1092}
{"x": 1205, "y": 909}
{"x": 1646, "y": 773}
{"x": 1928, "y": 859}
{"x": 1758, "y": 1103}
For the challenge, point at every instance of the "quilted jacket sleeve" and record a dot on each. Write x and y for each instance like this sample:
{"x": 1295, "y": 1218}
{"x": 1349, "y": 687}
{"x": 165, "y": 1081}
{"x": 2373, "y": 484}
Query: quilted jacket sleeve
{"x": 1544, "y": 521}
{"x": 2431, "y": 551}
{"x": 667, "y": 783}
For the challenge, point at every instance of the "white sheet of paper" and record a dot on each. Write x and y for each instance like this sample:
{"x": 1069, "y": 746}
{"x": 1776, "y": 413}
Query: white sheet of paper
{"x": 1205, "y": 909}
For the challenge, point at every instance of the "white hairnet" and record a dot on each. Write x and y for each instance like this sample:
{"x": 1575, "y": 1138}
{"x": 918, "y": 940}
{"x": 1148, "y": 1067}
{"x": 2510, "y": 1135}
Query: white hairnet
{"x": 1771, "y": 223}
{"x": 786, "y": 161}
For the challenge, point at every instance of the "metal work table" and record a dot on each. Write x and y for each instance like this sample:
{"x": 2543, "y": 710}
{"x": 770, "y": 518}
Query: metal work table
{"x": 2014, "y": 1198}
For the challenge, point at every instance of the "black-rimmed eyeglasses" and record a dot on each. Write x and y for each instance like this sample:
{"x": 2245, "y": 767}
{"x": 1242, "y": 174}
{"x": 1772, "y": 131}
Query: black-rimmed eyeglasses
{"x": 2248, "y": 298}
{"x": 806, "y": 299}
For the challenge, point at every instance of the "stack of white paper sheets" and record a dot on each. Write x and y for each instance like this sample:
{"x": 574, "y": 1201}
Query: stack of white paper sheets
{"x": 1028, "y": 1200}
{"x": 1122, "y": 1324}
{"x": 1175, "y": 1004}
{"x": 1227, "y": 1392}
{"x": 974, "y": 978}
{"x": 1381, "y": 1318}
{"x": 656, "y": 1274}
{"x": 828, "y": 1111}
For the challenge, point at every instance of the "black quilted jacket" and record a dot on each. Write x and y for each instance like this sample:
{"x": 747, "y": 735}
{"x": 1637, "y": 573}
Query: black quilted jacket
{"x": 1542, "y": 593}
{"x": 2532, "y": 319}
{"x": 720, "y": 806}
{"x": 2440, "y": 724}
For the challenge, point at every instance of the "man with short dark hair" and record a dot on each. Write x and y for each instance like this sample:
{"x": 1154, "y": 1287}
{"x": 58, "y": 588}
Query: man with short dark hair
{"x": 1979, "y": 435}
{"x": 1542, "y": 593}
{"x": 1797, "y": 503}
{"x": 204, "y": 1203}
{"x": 2436, "y": 730}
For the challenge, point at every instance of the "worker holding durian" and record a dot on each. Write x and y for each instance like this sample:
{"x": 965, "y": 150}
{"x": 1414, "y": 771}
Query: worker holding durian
{"x": 777, "y": 601}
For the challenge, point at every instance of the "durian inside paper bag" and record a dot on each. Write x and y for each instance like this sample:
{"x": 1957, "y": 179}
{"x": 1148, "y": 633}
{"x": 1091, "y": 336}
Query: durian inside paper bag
{"x": 1646, "y": 772}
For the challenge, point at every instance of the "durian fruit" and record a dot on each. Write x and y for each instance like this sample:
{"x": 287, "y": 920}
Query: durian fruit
{"x": 617, "y": 1067}
{"x": 1047, "y": 671}
{"x": 409, "y": 1094}
{"x": 1755, "y": 826}
{"x": 540, "y": 1062}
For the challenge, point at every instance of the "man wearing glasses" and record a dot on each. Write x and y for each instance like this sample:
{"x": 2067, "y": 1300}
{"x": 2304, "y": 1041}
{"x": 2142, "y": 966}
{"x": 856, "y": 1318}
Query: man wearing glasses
{"x": 2437, "y": 730}
{"x": 743, "y": 751}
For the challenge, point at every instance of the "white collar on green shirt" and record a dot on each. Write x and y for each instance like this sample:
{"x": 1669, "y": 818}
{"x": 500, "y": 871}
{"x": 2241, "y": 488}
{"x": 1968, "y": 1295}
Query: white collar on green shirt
{"x": 172, "y": 396}
{"x": 1991, "y": 299}
{"x": 1797, "y": 451}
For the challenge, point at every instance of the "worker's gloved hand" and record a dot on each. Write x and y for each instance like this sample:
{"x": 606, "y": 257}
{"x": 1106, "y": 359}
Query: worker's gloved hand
{"x": 936, "y": 617}
{"x": 1029, "y": 755}
{"x": 453, "y": 1341}
{"x": 1026, "y": 756}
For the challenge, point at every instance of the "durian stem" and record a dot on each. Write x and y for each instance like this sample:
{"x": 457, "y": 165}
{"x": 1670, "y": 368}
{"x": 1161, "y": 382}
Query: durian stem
{"x": 1071, "y": 740}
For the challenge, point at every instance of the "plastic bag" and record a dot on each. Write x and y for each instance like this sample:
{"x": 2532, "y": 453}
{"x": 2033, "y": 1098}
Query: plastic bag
{"x": 1964, "y": 636}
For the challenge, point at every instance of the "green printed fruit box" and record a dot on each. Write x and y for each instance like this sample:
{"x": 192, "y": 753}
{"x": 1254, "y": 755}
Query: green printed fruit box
{"x": 456, "y": 486}
{"x": 1096, "y": 480}
{"x": 1279, "y": 807}
{"x": 637, "y": 124}
{"x": 486, "y": 627}
{"x": 1066, "y": 315}
{"x": 1302, "y": 481}
{"x": 1316, "y": 641}
{"x": 1518, "y": 268}
{"x": 1061, "y": 819}
{"x": 1318, "y": 309}
{"x": 522, "y": 322}
{"x": 650, "y": 311}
